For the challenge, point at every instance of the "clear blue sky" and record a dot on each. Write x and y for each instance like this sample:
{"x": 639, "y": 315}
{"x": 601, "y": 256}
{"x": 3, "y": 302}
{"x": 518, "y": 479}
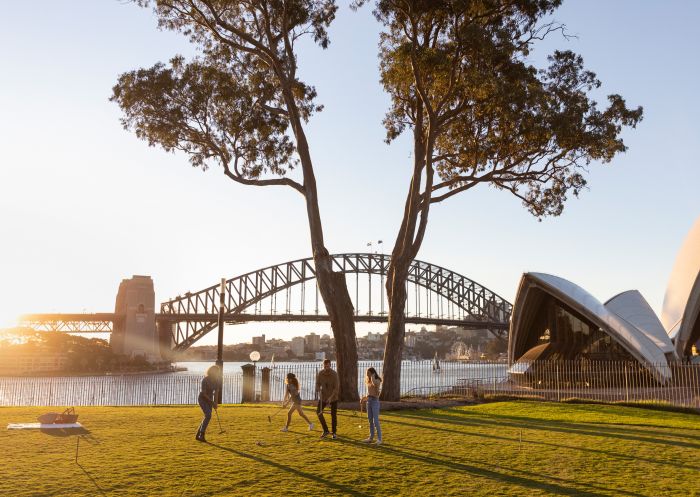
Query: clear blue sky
{"x": 84, "y": 204}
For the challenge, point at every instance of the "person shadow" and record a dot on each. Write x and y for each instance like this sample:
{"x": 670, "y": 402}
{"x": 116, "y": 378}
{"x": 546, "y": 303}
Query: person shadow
{"x": 81, "y": 433}
{"x": 293, "y": 470}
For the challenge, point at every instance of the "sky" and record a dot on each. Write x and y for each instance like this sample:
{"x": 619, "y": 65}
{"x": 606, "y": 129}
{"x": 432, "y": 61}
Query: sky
{"x": 84, "y": 203}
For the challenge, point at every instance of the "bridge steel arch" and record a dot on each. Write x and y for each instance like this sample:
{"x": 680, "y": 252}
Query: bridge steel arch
{"x": 185, "y": 319}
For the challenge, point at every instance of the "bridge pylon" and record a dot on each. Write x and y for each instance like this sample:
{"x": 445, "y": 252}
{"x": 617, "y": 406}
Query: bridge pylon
{"x": 135, "y": 333}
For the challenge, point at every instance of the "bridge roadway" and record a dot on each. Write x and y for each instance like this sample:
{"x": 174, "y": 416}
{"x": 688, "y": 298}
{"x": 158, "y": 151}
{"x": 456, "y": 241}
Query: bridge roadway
{"x": 437, "y": 296}
{"x": 103, "y": 322}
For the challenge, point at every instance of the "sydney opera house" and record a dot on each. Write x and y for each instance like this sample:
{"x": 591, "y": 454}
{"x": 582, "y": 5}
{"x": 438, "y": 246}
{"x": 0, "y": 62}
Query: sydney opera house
{"x": 554, "y": 319}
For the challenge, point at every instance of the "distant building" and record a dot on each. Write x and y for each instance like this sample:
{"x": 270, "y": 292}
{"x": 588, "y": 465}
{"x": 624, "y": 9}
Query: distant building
{"x": 480, "y": 334}
{"x": 13, "y": 363}
{"x": 259, "y": 341}
{"x": 313, "y": 342}
{"x": 555, "y": 319}
{"x": 298, "y": 346}
{"x": 409, "y": 340}
{"x": 375, "y": 337}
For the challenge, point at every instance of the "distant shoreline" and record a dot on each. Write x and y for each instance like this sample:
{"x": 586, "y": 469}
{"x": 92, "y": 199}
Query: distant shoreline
{"x": 63, "y": 374}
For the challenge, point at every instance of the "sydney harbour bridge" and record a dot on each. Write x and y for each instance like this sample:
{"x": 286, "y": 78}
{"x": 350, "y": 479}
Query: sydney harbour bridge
{"x": 288, "y": 292}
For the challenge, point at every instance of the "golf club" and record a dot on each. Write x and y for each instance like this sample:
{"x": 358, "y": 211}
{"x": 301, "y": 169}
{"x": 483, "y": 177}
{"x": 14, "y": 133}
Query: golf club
{"x": 362, "y": 402}
{"x": 269, "y": 418}
{"x": 361, "y": 407}
{"x": 221, "y": 430}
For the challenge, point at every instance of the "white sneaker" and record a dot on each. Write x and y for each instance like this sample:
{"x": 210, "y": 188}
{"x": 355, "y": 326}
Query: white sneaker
{"x": 311, "y": 426}
{"x": 379, "y": 442}
{"x": 284, "y": 428}
{"x": 368, "y": 440}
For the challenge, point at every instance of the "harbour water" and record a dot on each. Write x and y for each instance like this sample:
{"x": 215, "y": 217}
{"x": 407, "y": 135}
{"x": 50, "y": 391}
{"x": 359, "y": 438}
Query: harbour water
{"x": 418, "y": 378}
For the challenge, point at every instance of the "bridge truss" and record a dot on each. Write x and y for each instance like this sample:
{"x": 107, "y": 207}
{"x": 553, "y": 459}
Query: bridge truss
{"x": 71, "y": 323}
{"x": 279, "y": 293}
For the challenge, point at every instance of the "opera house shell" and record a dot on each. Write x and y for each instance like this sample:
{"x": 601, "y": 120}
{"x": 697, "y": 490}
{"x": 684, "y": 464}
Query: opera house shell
{"x": 554, "y": 319}
{"x": 681, "y": 309}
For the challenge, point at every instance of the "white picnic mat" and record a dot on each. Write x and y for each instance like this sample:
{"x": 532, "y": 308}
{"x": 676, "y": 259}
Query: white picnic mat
{"x": 42, "y": 426}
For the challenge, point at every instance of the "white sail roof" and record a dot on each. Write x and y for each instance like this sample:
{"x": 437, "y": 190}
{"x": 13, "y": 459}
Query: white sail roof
{"x": 635, "y": 341}
{"x": 633, "y": 308}
{"x": 683, "y": 290}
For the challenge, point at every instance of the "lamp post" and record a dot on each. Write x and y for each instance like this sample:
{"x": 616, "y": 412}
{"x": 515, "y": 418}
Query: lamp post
{"x": 255, "y": 357}
{"x": 381, "y": 276}
{"x": 220, "y": 343}
{"x": 381, "y": 273}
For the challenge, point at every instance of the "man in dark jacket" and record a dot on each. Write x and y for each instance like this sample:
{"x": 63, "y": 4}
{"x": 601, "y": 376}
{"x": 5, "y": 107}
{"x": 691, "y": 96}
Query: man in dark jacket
{"x": 327, "y": 390}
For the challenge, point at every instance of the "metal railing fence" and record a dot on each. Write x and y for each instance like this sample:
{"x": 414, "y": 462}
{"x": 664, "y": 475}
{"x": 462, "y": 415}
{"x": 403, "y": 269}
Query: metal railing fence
{"x": 131, "y": 390}
{"x": 606, "y": 381}
{"x": 553, "y": 381}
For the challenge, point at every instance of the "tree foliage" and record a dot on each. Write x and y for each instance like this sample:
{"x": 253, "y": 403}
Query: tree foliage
{"x": 460, "y": 79}
{"x": 459, "y": 75}
{"x": 208, "y": 113}
{"x": 241, "y": 104}
{"x": 235, "y": 103}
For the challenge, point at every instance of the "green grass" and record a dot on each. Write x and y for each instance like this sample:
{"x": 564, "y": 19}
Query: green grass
{"x": 566, "y": 449}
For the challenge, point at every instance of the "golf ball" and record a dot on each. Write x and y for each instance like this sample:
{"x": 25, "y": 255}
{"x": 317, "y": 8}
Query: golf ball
{"x": 359, "y": 426}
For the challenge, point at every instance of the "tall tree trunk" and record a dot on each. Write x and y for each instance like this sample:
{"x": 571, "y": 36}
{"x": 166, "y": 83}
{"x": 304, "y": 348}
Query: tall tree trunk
{"x": 332, "y": 286}
{"x": 334, "y": 291}
{"x": 408, "y": 242}
{"x": 396, "y": 328}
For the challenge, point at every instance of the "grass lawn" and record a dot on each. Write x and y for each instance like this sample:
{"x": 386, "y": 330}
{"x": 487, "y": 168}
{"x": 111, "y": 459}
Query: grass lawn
{"x": 566, "y": 449}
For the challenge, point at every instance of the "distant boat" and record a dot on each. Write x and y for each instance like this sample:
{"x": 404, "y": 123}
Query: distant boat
{"x": 436, "y": 364}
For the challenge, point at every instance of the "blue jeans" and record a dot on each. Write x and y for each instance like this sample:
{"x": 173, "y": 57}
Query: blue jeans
{"x": 206, "y": 409}
{"x": 373, "y": 417}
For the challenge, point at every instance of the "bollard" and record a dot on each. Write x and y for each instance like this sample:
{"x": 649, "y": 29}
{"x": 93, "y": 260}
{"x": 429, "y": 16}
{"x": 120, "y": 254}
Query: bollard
{"x": 248, "y": 383}
{"x": 265, "y": 385}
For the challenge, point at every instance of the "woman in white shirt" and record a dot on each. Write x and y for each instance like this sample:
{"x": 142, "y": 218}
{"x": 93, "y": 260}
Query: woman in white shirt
{"x": 373, "y": 381}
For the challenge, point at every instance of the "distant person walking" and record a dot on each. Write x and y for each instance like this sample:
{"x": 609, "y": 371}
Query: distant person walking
{"x": 207, "y": 398}
{"x": 373, "y": 382}
{"x": 292, "y": 394}
{"x": 327, "y": 389}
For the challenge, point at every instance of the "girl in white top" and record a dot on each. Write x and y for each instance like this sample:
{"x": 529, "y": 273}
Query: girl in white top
{"x": 293, "y": 394}
{"x": 373, "y": 381}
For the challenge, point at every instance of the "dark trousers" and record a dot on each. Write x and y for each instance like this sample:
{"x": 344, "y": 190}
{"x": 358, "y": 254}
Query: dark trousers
{"x": 334, "y": 415}
{"x": 206, "y": 409}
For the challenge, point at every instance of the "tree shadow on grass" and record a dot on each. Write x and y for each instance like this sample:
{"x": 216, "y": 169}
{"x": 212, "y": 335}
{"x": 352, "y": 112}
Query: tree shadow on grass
{"x": 477, "y": 471}
{"x": 642, "y": 429}
{"x": 535, "y": 442}
{"x": 522, "y": 472}
{"x": 554, "y": 426}
{"x": 293, "y": 470}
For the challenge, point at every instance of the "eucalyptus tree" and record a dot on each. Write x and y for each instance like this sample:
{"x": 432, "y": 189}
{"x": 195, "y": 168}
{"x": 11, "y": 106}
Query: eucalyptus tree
{"x": 480, "y": 112}
{"x": 240, "y": 104}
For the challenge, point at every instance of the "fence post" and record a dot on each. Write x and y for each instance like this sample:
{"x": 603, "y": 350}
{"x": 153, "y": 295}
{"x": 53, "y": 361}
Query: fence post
{"x": 558, "y": 386}
{"x": 627, "y": 390}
